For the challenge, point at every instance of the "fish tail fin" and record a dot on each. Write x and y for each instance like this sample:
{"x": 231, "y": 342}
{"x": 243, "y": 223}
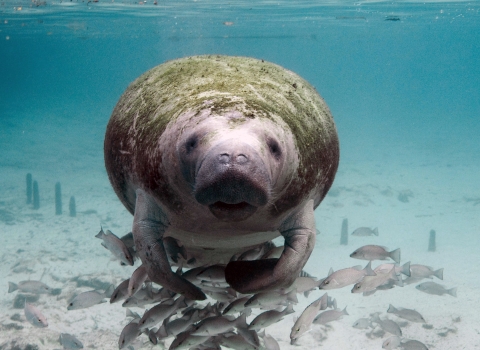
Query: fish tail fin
{"x": 368, "y": 269}
{"x": 453, "y": 292}
{"x": 375, "y": 231}
{"x": 395, "y": 255}
{"x": 406, "y": 269}
{"x": 292, "y": 296}
{"x": 12, "y": 287}
{"x": 344, "y": 311}
{"x": 391, "y": 309}
{"x": 100, "y": 234}
{"x": 439, "y": 273}
{"x": 241, "y": 321}
{"x": 108, "y": 293}
{"x": 289, "y": 309}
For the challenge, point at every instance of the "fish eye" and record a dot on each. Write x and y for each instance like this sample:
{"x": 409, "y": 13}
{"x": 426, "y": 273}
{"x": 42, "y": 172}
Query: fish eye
{"x": 326, "y": 282}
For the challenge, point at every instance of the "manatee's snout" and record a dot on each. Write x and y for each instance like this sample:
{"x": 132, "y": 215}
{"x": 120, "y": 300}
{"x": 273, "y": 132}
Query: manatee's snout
{"x": 232, "y": 181}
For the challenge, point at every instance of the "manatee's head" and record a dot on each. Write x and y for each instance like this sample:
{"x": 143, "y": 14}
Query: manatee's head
{"x": 234, "y": 164}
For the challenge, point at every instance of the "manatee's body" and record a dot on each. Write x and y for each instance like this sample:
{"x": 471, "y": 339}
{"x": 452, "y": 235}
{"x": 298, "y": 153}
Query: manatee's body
{"x": 222, "y": 154}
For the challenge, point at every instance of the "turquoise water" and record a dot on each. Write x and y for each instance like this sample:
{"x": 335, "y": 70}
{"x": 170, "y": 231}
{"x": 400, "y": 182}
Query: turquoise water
{"x": 402, "y": 80}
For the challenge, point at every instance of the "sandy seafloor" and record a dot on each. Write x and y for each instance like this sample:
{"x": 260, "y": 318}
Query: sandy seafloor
{"x": 38, "y": 244}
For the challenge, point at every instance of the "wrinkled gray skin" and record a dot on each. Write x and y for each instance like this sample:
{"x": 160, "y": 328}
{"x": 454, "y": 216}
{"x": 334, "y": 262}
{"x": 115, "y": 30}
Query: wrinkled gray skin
{"x": 222, "y": 154}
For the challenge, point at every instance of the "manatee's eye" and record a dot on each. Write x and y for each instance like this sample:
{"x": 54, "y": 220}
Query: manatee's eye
{"x": 191, "y": 143}
{"x": 274, "y": 148}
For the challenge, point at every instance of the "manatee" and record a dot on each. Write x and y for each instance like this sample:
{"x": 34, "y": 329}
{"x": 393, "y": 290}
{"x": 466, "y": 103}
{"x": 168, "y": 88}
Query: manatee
{"x": 222, "y": 154}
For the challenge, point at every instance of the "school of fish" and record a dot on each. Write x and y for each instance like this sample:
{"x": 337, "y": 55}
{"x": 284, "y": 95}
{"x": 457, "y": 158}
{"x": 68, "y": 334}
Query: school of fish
{"x": 222, "y": 320}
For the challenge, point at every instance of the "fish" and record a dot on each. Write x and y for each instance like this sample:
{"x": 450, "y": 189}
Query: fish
{"x": 413, "y": 345}
{"x": 88, "y": 299}
{"x": 213, "y": 273}
{"x": 376, "y": 252}
{"x": 362, "y": 323}
{"x": 235, "y": 306}
{"x": 436, "y": 289}
{"x": 160, "y": 312}
{"x": 69, "y": 342}
{"x": 408, "y": 314}
{"x": 236, "y": 341}
{"x": 345, "y": 277}
{"x": 365, "y": 231}
{"x": 186, "y": 340}
{"x": 404, "y": 269}
{"x": 32, "y": 287}
{"x": 270, "y": 342}
{"x": 422, "y": 271}
{"x": 116, "y": 246}
{"x": 370, "y": 283}
{"x": 34, "y": 316}
{"x": 387, "y": 325}
{"x": 136, "y": 280}
{"x": 391, "y": 343}
{"x": 271, "y": 298}
{"x": 180, "y": 325}
{"x": 329, "y": 316}
{"x": 215, "y": 325}
{"x": 174, "y": 249}
{"x": 129, "y": 333}
{"x": 270, "y": 317}
{"x": 303, "y": 323}
{"x": 120, "y": 293}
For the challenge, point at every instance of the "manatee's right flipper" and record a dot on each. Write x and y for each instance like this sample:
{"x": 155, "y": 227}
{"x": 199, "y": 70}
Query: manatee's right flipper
{"x": 149, "y": 225}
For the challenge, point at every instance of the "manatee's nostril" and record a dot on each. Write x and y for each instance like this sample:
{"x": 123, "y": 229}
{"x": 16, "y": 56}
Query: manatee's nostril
{"x": 241, "y": 159}
{"x": 224, "y": 158}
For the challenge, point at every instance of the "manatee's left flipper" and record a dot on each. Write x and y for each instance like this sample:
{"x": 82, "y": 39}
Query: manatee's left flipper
{"x": 149, "y": 225}
{"x": 268, "y": 274}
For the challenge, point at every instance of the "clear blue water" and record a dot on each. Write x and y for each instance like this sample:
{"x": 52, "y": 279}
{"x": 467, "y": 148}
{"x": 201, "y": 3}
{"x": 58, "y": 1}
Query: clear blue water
{"x": 402, "y": 79}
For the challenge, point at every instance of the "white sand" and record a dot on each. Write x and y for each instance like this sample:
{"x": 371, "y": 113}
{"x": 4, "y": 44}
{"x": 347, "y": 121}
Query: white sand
{"x": 59, "y": 248}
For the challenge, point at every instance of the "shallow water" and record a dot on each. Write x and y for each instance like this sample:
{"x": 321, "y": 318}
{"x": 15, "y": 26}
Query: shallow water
{"x": 402, "y": 81}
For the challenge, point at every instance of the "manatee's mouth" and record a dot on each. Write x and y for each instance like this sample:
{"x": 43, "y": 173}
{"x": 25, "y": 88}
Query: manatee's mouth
{"x": 232, "y": 212}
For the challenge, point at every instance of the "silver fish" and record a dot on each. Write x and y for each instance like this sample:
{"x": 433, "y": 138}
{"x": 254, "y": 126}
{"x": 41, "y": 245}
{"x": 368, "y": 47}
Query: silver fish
{"x": 129, "y": 333}
{"x": 215, "y": 325}
{"x": 180, "y": 325}
{"x": 136, "y": 280}
{"x": 70, "y": 342}
{"x": 33, "y": 287}
{"x": 387, "y": 325}
{"x": 186, "y": 340}
{"x": 436, "y": 289}
{"x": 422, "y": 271}
{"x": 404, "y": 269}
{"x": 236, "y": 341}
{"x": 329, "y": 316}
{"x": 120, "y": 293}
{"x": 345, "y": 277}
{"x": 34, "y": 316}
{"x": 90, "y": 298}
{"x": 303, "y": 323}
{"x": 270, "y": 342}
{"x": 270, "y": 317}
{"x": 362, "y": 323}
{"x": 369, "y": 283}
{"x": 391, "y": 343}
{"x": 376, "y": 252}
{"x": 365, "y": 231}
{"x": 271, "y": 298}
{"x": 407, "y": 314}
{"x": 160, "y": 312}
{"x": 116, "y": 246}
{"x": 235, "y": 306}
{"x": 213, "y": 273}
{"x": 413, "y": 345}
